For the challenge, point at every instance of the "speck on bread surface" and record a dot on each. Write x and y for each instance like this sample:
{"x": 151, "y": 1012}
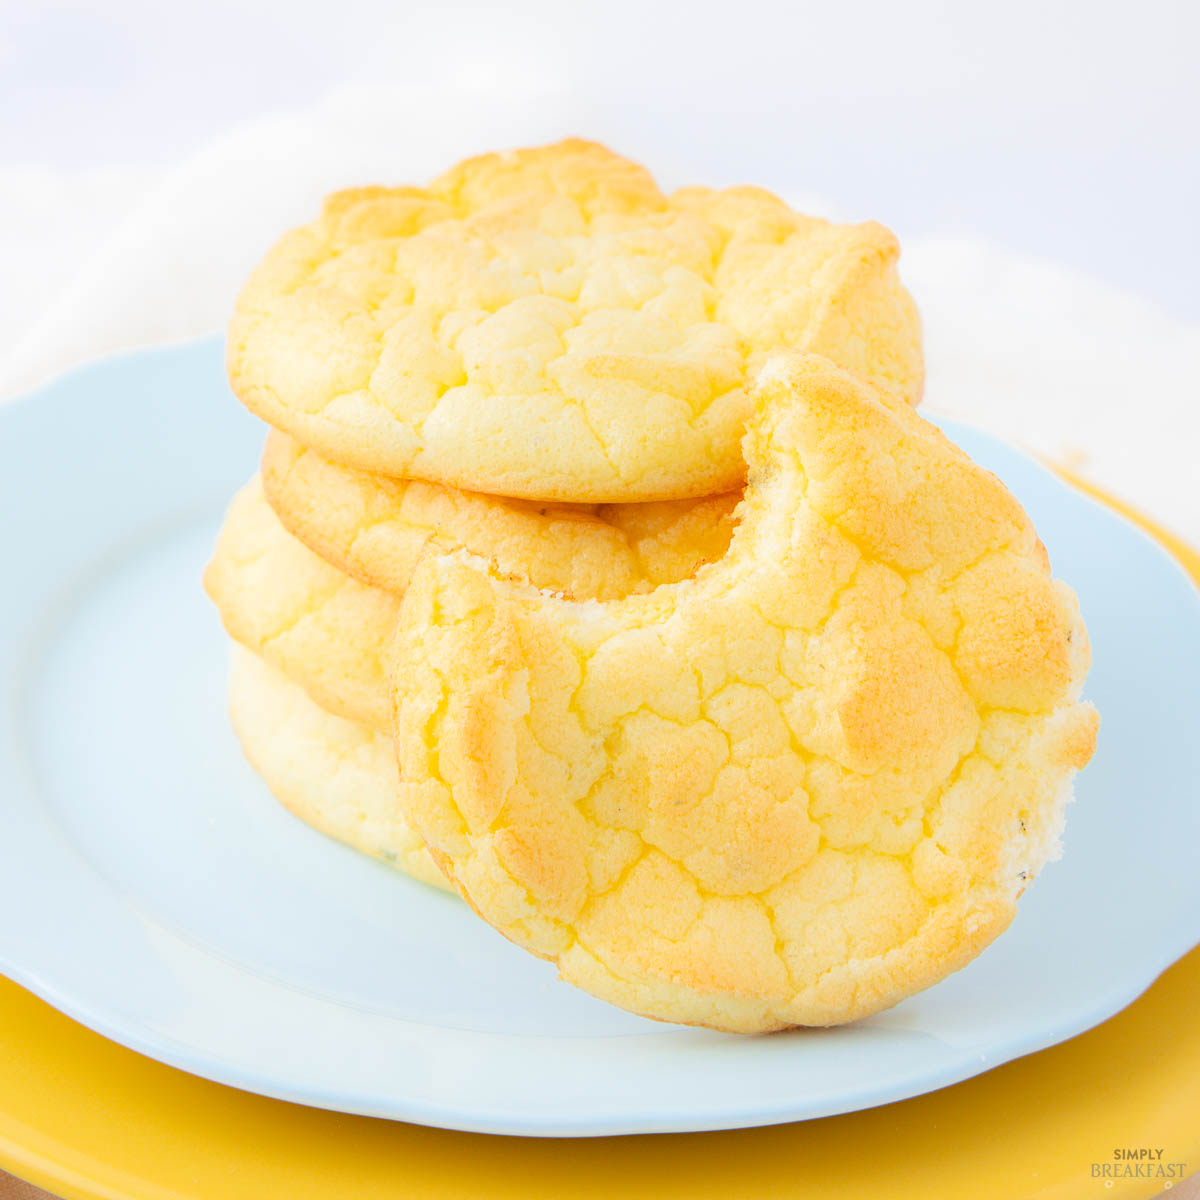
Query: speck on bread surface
{"x": 794, "y": 789}
{"x": 548, "y": 324}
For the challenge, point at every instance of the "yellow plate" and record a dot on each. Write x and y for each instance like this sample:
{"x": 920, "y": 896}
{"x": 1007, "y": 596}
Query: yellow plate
{"x": 92, "y": 1121}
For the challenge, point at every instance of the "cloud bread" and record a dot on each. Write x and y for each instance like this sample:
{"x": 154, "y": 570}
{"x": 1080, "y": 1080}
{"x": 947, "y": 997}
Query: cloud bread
{"x": 322, "y": 629}
{"x": 335, "y": 775}
{"x": 794, "y": 789}
{"x": 327, "y": 631}
{"x": 547, "y": 324}
{"x": 375, "y": 528}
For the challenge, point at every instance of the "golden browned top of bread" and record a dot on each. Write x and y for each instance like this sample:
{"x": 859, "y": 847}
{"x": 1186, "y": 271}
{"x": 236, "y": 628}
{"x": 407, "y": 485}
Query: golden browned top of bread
{"x": 792, "y": 790}
{"x": 548, "y": 324}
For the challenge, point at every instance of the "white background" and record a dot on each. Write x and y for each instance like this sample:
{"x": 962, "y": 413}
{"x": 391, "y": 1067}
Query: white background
{"x": 1066, "y": 129}
{"x": 149, "y": 152}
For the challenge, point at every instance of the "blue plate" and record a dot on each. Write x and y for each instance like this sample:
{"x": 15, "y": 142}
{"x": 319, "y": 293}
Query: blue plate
{"x": 152, "y": 889}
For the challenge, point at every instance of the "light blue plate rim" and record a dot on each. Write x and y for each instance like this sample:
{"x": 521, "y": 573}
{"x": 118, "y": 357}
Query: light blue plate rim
{"x": 53, "y": 437}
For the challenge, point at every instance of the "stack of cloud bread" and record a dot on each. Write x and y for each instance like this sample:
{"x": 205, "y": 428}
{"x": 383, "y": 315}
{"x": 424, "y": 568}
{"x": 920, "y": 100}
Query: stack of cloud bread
{"x": 600, "y": 569}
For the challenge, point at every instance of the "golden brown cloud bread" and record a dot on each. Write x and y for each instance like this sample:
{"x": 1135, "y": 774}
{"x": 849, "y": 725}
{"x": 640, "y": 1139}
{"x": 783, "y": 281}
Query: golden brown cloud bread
{"x": 792, "y": 790}
{"x": 375, "y": 528}
{"x": 548, "y": 324}
{"x": 322, "y": 629}
{"x": 335, "y": 775}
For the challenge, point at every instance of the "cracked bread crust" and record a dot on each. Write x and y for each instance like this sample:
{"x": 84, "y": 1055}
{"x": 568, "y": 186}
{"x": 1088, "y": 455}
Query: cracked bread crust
{"x": 375, "y": 528}
{"x": 792, "y": 790}
{"x": 547, "y": 324}
{"x": 323, "y": 630}
{"x": 328, "y": 631}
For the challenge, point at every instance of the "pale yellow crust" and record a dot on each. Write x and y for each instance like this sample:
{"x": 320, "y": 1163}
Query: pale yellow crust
{"x": 322, "y": 629}
{"x": 335, "y": 775}
{"x": 795, "y": 789}
{"x": 328, "y": 631}
{"x": 548, "y": 324}
{"x": 375, "y": 528}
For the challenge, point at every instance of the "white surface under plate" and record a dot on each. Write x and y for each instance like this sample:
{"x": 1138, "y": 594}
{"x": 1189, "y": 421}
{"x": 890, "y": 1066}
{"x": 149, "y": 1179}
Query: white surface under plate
{"x": 151, "y": 888}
